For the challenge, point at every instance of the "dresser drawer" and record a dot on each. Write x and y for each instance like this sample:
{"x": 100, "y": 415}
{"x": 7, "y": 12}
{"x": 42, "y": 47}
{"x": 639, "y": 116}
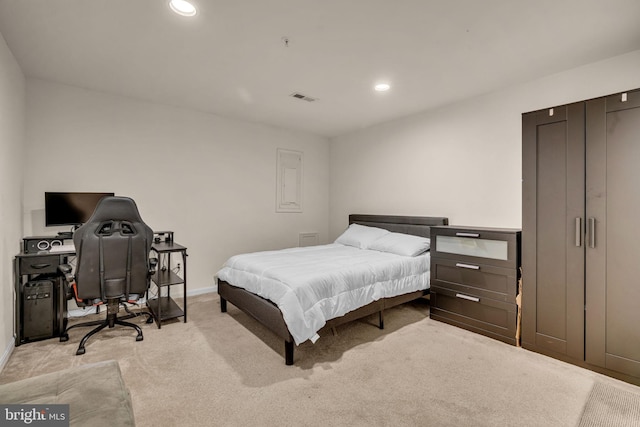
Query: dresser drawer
{"x": 498, "y": 247}
{"x": 489, "y": 317}
{"x": 486, "y": 281}
{"x": 39, "y": 264}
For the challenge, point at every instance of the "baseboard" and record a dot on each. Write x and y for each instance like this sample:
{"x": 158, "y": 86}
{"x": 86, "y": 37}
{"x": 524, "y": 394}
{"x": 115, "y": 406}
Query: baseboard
{"x": 201, "y": 291}
{"x": 81, "y": 312}
{"x": 7, "y": 353}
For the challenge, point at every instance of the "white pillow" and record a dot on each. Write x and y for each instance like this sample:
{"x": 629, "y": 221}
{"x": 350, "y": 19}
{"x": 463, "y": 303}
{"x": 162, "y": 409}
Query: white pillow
{"x": 401, "y": 244}
{"x": 360, "y": 236}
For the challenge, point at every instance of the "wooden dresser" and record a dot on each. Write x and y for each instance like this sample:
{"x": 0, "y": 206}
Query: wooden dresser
{"x": 474, "y": 279}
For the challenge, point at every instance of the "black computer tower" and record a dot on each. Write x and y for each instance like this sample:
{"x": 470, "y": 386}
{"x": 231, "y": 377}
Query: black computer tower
{"x": 38, "y": 309}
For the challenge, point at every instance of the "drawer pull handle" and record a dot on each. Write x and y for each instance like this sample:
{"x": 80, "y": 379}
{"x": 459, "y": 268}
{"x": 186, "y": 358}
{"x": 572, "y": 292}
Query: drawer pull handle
{"x": 468, "y": 234}
{"x": 40, "y": 266}
{"x": 467, "y": 297}
{"x": 469, "y": 266}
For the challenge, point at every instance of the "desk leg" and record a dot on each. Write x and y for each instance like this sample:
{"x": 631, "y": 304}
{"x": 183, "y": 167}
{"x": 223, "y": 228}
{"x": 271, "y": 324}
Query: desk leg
{"x": 159, "y": 306}
{"x": 184, "y": 284}
{"x": 17, "y": 299}
{"x": 61, "y": 308}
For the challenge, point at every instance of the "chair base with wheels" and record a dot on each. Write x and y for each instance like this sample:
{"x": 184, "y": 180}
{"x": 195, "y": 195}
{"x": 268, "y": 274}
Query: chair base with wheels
{"x": 112, "y": 319}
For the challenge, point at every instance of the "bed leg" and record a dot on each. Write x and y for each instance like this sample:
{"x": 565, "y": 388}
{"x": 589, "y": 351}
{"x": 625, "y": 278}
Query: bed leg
{"x": 288, "y": 353}
{"x": 223, "y": 305}
{"x": 381, "y": 319}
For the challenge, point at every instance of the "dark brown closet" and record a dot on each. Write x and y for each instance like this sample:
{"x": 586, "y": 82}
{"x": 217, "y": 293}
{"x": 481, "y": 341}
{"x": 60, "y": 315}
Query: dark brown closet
{"x": 581, "y": 233}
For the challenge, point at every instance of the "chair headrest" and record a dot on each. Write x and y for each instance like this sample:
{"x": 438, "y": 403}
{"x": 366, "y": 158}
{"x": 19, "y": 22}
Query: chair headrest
{"x": 116, "y": 208}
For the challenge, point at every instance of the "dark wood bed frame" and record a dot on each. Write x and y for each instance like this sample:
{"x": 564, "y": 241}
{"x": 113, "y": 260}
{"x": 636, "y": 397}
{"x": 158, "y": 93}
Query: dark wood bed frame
{"x": 268, "y": 314}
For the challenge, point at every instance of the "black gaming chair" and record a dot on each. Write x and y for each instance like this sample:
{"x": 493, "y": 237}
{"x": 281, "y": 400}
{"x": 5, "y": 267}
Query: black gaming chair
{"x": 113, "y": 265}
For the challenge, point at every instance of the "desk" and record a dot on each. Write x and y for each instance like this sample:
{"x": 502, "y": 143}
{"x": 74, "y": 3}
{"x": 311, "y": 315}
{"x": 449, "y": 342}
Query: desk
{"x": 39, "y": 297}
{"x": 164, "y": 307}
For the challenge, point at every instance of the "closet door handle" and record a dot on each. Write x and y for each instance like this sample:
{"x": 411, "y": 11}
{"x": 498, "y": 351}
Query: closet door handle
{"x": 592, "y": 232}
{"x": 578, "y": 232}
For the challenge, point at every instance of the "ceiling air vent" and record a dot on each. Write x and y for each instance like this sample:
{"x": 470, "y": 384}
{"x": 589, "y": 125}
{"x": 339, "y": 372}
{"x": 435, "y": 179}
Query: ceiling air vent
{"x": 303, "y": 97}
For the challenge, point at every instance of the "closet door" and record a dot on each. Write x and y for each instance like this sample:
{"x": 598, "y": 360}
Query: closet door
{"x": 613, "y": 223}
{"x": 553, "y": 153}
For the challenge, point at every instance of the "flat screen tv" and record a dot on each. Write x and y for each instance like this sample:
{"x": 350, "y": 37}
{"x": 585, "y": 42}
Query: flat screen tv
{"x": 70, "y": 208}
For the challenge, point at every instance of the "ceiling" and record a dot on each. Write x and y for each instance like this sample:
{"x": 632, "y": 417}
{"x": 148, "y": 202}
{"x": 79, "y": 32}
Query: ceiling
{"x": 231, "y": 59}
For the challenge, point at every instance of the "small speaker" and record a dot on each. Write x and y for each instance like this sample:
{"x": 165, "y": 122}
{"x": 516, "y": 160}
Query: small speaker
{"x": 32, "y": 245}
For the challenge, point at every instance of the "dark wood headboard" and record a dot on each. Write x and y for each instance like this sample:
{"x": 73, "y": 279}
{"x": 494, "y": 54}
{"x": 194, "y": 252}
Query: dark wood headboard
{"x": 415, "y": 225}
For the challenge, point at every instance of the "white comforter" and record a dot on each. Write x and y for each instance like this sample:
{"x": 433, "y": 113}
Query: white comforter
{"x": 311, "y": 285}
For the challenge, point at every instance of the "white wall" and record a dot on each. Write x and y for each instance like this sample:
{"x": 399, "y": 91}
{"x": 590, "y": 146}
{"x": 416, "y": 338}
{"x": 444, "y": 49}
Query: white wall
{"x": 209, "y": 179}
{"x": 12, "y": 126}
{"x": 462, "y": 161}
{"x": 212, "y": 180}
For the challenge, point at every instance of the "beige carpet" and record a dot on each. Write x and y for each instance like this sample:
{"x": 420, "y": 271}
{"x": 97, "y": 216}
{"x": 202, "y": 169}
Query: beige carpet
{"x": 225, "y": 370}
{"x": 611, "y": 406}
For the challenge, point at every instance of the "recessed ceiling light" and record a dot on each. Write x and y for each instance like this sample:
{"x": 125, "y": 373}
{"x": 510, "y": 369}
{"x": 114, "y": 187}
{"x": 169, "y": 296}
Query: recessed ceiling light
{"x": 182, "y": 7}
{"x": 382, "y": 87}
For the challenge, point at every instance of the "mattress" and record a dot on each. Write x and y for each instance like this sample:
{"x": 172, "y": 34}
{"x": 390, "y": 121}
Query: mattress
{"x": 311, "y": 285}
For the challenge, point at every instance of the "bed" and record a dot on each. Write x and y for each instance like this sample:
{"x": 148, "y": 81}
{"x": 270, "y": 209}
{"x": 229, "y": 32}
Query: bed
{"x": 251, "y": 282}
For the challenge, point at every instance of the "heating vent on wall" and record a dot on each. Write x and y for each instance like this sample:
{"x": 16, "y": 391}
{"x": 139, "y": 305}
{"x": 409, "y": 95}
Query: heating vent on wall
{"x": 303, "y": 97}
{"x": 308, "y": 239}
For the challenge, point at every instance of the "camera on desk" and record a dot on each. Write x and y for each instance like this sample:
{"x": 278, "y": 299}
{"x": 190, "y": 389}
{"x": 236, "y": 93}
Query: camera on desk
{"x": 163, "y": 236}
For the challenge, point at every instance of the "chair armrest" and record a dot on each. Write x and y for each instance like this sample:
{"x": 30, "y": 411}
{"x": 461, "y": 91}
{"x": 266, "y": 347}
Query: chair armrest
{"x": 153, "y": 266}
{"x": 66, "y": 271}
